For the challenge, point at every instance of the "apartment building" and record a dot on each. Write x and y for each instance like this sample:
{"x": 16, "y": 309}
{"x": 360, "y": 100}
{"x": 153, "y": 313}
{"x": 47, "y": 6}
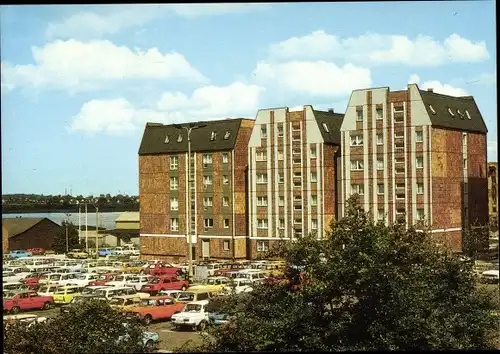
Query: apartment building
{"x": 217, "y": 171}
{"x": 292, "y": 159}
{"x": 416, "y": 155}
{"x": 493, "y": 193}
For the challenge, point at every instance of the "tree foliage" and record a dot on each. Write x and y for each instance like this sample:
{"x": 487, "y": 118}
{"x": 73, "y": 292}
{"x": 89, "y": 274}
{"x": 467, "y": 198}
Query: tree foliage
{"x": 59, "y": 243}
{"x": 369, "y": 287}
{"x": 476, "y": 240}
{"x": 92, "y": 327}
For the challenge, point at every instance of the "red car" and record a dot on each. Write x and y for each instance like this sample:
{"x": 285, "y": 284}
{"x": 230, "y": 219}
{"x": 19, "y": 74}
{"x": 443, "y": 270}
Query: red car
{"x": 103, "y": 279}
{"x": 167, "y": 282}
{"x": 32, "y": 280}
{"x": 26, "y": 300}
{"x": 157, "y": 308}
{"x": 229, "y": 268}
{"x": 36, "y": 251}
{"x": 163, "y": 269}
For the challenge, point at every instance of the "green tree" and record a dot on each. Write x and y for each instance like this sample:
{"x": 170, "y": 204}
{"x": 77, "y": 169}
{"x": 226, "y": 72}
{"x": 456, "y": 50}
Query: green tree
{"x": 59, "y": 243}
{"x": 475, "y": 241}
{"x": 92, "y": 327}
{"x": 366, "y": 286}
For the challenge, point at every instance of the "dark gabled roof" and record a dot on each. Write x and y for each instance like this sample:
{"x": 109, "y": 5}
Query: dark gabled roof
{"x": 16, "y": 226}
{"x": 155, "y": 134}
{"x": 442, "y": 118}
{"x": 333, "y": 122}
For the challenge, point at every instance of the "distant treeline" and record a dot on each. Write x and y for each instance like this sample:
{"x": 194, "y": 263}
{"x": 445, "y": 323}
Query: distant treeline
{"x": 33, "y": 208}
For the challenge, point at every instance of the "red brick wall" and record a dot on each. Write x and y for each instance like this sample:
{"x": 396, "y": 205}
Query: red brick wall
{"x": 478, "y": 178}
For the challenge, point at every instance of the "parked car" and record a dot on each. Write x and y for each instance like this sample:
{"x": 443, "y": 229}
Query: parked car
{"x": 167, "y": 282}
{"x": 21, "y": 271}
{"x": 112, "y": 291}
{"x": 229, "y": 268}
{"x": 138, "y": 281}
{"x": 238, "y": 285}
{"x": 103, "y": 252}
{"x": 134, "y": 267}
{"x": 103, "y": 279}
{"x": 77, "y": 254}
{"x": 195, "y": 295}
{"x": 172, "y": 293}
{"x": 65, "y": 294}
{"x": 11, "y": 277}
{"x": 149, "y": 340}
{"x": 125, "y": 302}
{"x": 91, "y": 289}
{"x": 213, "y": 267}
{"x": 28, "y": 300}
{"x": 26, "y": 318}
{"x": 47, "y": 289}
{"x": 85, "y": 278}
{"x": 33, "y": 279}
{"x": 211, "y": 284}
{"x": 58, "y": 278}
{"x": 219, "y": 319}
{"x": 120, "y": 280}
{"x": 163, "y": 269}
{"x": 14, "y": 287}
{"x": 156, "y": 308}
{"x": 490, "y": 276}
{"x": 19, "y": 254}
{"x": 193, "y": 316}
{"x": 78, "y": 300}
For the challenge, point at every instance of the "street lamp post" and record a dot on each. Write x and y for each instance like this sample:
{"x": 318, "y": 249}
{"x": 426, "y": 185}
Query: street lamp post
{"x": 189, "y": 129}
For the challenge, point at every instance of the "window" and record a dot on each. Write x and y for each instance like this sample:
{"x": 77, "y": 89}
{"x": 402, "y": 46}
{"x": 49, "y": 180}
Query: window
{"x": 207, "y": 180}
{"x": 225, "y": 201}
{"x": 167, "y": 140}
{"x": 380, "y": 164}
{"x": 400, "y": 169}
{"x": 225, "y": 179}
{"x": 357, "y": 189}
{"x": 357, "y": 165}
{"x": 400, "y": 191}
{"x": 207, "y": 202}
{"x": 297, "y": 221}
{"x": 297, "y": 183}
{"x": 460, "y": 114}
{"x": 207, "y": 159}
{"x": 399, "y": 144}
{"x": 261, "y": 178}
{"x": 280, "y": 155}
{"x": 419, "y": 161}
{"x": 451, "y": 112}
{"x": 314, "y": 177}
{"x": 174, "y": 203}
{"x": 208, "y": 223}
{"x": 379, "y": 113}
{"x": 380, "y": 188}
{"x": 380, "y": 139}
{"x": 281, "y": 223}
{"x": 227, "y": 135}
{"x": 359, "y": 113}
{"x": 281, "y": 201}
{"x": 263, "y": 132}
{"x": 281, "y": 178}
{"x": 174, "y": 162}
{"x": 380, "y": 214}
{"x": 467, "y": 114}
{"x": 356, "y": 140}
{"x": 262, "y": 246}
{"x": 420, "y": 214}
{"x": 174, "y": 183}
{"x": 314, "y": 224}
{"x": 313, "y": 152}
{"x": 261, "y": 156}
{"x": 225, "y": 157}
{"x": 297, "y": 174}
{"x": 213, "y": 136}
{"x": 262, "y": 223}
{"x": 297, "y": 207}
{"x": 325, "y": 127}
{"x": 419, "y": 136}
{"x": 314, "y": 200}
{"x": 399, "y": 134}
{"x": 179, "y": 138}
{"x": 432, "y": 109}
{"x": 174, "y": 224}
{"x": 398, "y": 114}
{"x": 262, "y": 201}
{"x": 280, "y": 130}
{"x": 399, "y": 160}
{"x": 420, "y": 188}
{"x": 225, "y": 245}
{"x": 400, "y": 211}
{"x": 226, "y": 223}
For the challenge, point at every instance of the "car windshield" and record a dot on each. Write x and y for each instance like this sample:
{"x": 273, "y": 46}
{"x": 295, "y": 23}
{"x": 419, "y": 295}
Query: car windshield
{"x": 185, "y": 296}
{"x": 102, "y": 277}
{"x": 87, "y": 291}
{"x": 155, "y": 280}
{"x": 148, "y": 302}
{"x": 135, "y": 279}
{"x": 192, "y": 308}
{"x": 8, "y": 294}
{"x": 55, "y": 276}
{"x": 120, "y": 278}
{"x": 81, "y": 277}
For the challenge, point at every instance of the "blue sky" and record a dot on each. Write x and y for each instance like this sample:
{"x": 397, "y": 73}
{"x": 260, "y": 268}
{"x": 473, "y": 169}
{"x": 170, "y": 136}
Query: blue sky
{"x": 79, "y": 82}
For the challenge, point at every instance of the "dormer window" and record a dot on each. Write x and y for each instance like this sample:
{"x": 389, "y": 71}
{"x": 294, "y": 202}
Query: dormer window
{"x": 213, "y": 136}
{"x": 468, "y": 114}
{"x": 451, "y": 112}
{"x": 460, "y": 114}
{"x": 326, "y": 128}
{"x": 167, "y": 140}
{"x": 179, "y": 138}
{"x": 227, "y": 135}
{"x": 432, "y": 109}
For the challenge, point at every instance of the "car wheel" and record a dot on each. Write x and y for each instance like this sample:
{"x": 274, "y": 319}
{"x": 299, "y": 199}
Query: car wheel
{"x": 15, "y": 310}
{"x": 183, "y": 288}
{"x": 46, "y": 306}
{"x": 202, "y": 326}
{"x": 149, "y": 344}
{"x": 147, "y": 319}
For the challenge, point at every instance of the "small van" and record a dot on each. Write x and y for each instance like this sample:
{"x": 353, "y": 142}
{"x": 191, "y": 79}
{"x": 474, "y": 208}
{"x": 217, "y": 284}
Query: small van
{"x": 195, "y": 295}
{"x": 110, "y": 292}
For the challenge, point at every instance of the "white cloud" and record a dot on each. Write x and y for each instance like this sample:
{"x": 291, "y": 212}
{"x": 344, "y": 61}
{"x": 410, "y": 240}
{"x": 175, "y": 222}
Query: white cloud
{"x": 95, "y": 24}
{"x": 437, "y": 86}
{"x": 492, "y": 150}
{"x": 119, "y": 116}
{"x": 77, "y": 66}
{"x": 313, "y": 77}
{"x": 381, "y": 49}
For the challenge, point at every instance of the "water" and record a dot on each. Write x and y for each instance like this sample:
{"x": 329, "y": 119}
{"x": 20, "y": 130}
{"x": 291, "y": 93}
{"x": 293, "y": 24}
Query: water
{"x": 106, "y": 220}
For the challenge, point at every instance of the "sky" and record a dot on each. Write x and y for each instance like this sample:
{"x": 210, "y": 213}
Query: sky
{"x": 78, "y": 83}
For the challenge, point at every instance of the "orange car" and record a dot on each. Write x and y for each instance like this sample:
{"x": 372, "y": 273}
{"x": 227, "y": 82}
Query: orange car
{"x": 157, "y": 308}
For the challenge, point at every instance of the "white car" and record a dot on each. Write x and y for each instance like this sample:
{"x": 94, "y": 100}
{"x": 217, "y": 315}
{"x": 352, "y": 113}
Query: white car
{"x": 194, "y": 315}
{"x": 14, "y": 286}
{"x": 58, "y": 278}
{"x": 84, "y": 279}
{"x": 10, "y": 277}
{"x": 490, "y": 276}
{"x": 47, "y": 290}
{"x": 90, "y": 290}
{"x": 24, "y": 318}
{"x": 112, "y": 291}
{"x": 121, "y": 280}
{"x": 138, "y": 281}
{"x": 172, "y": 293}
{"x": 239, "y": 285}
{"x": 23, "y": 272}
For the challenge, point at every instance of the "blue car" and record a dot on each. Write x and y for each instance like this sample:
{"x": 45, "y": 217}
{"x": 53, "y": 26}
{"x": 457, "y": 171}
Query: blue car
{"x": 19, "y": 254}
{"x": 103, "y": 252}
{"x": 149, "y": 339}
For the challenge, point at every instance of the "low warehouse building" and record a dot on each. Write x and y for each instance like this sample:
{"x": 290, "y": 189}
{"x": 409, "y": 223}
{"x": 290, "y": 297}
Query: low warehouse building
{"x": 25, "y": 233}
